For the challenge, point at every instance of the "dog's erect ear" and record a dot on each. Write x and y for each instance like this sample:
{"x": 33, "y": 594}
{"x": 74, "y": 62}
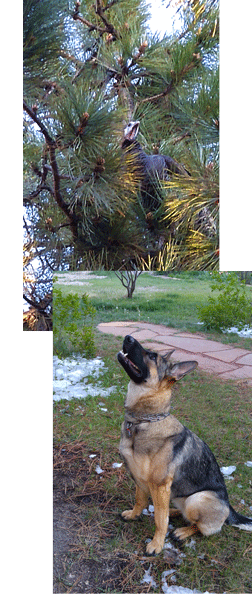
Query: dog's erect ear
{"x": 179, "y": 370}
{"x": 167, "y": 355}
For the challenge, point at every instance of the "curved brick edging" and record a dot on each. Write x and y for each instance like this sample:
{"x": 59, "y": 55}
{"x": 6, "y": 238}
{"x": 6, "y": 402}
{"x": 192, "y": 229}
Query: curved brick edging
{"x": 214, "y": 357}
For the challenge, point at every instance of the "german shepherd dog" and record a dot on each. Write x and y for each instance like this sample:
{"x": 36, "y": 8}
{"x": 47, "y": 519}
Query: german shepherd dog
{"x": 166, "y": 460}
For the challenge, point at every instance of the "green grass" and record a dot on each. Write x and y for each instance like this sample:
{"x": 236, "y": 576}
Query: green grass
{"x": 171, "y": 301}
{"x": 220, "y": 413}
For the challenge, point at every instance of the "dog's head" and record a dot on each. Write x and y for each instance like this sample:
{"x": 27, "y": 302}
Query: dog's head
{"x": 143, "y": 366}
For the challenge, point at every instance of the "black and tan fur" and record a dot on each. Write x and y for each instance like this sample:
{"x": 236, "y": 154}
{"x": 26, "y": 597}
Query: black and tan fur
{"x": 167, "y": 461}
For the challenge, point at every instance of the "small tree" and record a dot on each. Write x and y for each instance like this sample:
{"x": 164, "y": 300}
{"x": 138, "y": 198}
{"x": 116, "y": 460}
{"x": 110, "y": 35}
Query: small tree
{"x": 128, "y": 279}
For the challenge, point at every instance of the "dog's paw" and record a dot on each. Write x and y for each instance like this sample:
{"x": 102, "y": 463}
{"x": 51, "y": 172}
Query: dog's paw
{"x": 128, "y": 515}
{"x": 175, "y": 539}
{"x": 154, "y": 548}
{"x": 185, "y": 532}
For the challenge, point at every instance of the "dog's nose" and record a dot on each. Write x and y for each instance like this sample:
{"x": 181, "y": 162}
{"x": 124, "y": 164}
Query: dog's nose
{"x": 129, "y": 339}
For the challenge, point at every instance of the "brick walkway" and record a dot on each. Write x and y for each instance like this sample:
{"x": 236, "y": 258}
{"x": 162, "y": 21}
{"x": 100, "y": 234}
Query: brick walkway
{"x": 220, "y": 359}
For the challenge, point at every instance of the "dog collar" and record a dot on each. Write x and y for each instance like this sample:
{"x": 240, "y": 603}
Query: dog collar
{"x": 144, "y": 418}
{"x": 147, "y": 418}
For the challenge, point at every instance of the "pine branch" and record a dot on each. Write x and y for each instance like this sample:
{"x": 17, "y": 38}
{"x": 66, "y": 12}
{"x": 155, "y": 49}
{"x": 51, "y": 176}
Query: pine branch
{"x": 77, "y": 17}
{"x": 99, "y": 10}
{"x": 52, "y": 145}
{"x": 110, "y": 4}
{"x": 109, "y": 27}
{"x": 36, "y": 305}
{"x": 35, "y": 194}
{"x": 162, "y": 94}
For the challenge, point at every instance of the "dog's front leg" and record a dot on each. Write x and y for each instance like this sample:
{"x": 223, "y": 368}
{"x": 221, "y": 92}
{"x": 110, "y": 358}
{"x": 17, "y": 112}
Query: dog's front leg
{"x": 141, "y": 502}
{"x": 161, "y": 498}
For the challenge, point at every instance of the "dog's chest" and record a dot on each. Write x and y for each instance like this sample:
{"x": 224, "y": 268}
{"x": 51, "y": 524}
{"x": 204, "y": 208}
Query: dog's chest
{"x": 140, "y": 446}
{"x": 134, "y": 449}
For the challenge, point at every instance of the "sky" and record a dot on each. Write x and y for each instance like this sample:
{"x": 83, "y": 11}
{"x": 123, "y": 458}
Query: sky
{"x": 162, "y": 17}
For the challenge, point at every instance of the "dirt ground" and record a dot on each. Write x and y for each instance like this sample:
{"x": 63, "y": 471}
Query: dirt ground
{"x": 83, "y": 519}
{"x": 72, "y": 572}
{"x": 94, "y": 551}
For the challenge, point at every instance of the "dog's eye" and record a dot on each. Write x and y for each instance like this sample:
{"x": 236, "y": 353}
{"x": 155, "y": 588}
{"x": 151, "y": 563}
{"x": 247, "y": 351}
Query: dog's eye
{"x": 153, "y": 356}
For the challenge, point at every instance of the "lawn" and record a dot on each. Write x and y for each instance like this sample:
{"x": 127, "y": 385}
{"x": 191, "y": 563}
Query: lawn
{"x": 171, "y": 301}
{"x": 95, "y": 552}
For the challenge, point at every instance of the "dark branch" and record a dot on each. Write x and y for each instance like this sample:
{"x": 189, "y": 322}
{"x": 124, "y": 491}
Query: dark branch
{"x": 109, "y": 27}
{"x": 35, "y": 305}
{"x": 52, "y": 145}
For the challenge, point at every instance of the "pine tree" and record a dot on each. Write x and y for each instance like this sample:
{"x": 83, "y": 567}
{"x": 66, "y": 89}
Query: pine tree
{"x": 87, "y": 73}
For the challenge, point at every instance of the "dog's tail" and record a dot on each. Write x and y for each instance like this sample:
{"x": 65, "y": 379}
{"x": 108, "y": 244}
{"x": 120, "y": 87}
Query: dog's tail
{"x": 238, "y": 520}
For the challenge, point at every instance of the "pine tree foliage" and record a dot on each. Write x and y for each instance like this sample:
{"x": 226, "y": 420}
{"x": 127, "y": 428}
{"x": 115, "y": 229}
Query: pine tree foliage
{"x": 89, "y": 68}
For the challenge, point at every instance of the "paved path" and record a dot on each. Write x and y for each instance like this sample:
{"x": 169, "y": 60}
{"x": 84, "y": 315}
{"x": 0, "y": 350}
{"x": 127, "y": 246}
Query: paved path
{"x": 220, "y": 359}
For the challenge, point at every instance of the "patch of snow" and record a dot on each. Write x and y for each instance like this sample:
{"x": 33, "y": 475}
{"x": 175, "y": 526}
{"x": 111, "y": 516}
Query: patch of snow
{"x": 148, "y": 511}
{"x": 179, "y": 590}
{"x": 116, "y": 465}
{"x": 148, "y": 578}
{"x": 246, "y": 332}
{"x": 170, "y": 573}
{"x": 92, "y": 456}
{"x": 170, "y": 545}
{"x": 248, "y": 463}
{"x": 227, "y": 471}
{"x": 70, "y": 378}
{"x": 98, "y": 470}
{"x": 174, "y": 589}
{"x": 173, "y": 578}
{"x": 191, "y": 544}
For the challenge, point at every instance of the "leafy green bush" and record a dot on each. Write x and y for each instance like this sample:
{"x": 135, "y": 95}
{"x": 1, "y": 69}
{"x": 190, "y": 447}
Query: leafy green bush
{"x": 231, "y": 307}
{"x": 72, "y": 324}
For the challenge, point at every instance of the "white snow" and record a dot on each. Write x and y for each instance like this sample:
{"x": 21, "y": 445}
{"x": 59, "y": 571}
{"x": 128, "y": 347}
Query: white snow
{"x": 148, "y": 578}
{"x": 116, "y": 465}
{"x": 191, "y": 543}
{"x": 149, "y": 511}
{"x": 246, "y": 332}
{"x": 174, "y": 589}
{"x": 248, "y": 463}
{"x": 98, "y": 469}
{"x": 227, "y": 471}
{"x": 179, "y": 590}
{"x": 170, "y": 573}
{"x": 70, "y": 378}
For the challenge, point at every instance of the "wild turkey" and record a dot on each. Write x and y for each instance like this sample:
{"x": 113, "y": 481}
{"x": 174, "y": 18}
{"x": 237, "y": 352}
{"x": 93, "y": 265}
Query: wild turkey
{"x": 151, "y": 169}
{"x": 151, "y": 166}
